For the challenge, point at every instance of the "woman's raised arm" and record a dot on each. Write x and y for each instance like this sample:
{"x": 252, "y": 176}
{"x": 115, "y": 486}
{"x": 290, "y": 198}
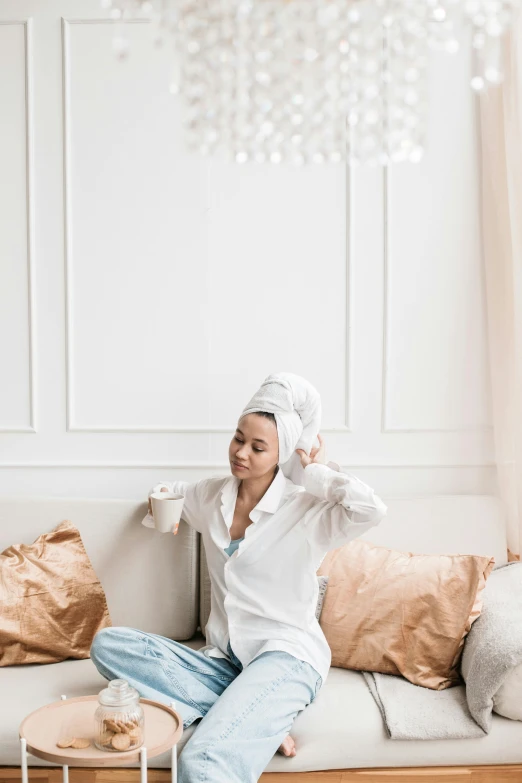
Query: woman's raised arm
{"x": 342, "y": 507}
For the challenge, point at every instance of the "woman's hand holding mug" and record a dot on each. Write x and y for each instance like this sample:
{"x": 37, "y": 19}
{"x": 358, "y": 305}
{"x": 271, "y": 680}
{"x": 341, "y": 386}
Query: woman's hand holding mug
{"x": 163, "y": 489}
{"x": 166, "y": 515}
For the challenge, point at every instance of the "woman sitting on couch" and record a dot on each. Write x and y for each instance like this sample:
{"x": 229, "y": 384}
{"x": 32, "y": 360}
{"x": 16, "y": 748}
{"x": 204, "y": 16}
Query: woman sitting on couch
{"x": 265, "y": 530}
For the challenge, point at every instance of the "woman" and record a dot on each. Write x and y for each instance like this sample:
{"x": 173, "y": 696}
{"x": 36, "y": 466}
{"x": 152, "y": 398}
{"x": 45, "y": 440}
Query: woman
{"x": 265, "y": 530}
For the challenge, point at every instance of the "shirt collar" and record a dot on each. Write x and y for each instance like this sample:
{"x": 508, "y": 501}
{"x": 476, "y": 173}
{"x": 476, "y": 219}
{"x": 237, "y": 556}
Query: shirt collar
{"x": 269, "y": 503}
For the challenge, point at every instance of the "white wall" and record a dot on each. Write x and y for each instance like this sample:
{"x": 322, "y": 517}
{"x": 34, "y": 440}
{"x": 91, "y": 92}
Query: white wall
{"x": 145, "y": 294}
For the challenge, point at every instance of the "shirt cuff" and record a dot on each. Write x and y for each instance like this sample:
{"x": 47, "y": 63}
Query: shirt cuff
{"x": 315, "y": 479}
{"x": 158, "y": 487}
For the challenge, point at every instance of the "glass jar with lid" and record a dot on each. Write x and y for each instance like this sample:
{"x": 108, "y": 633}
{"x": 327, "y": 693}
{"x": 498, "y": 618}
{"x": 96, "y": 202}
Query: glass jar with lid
{"x": 119, "y": 718}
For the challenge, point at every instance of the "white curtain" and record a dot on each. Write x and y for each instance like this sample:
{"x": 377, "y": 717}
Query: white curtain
{"x": 500, "y": 133}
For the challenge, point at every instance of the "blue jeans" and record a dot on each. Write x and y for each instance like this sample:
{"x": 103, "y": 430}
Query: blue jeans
{"x": 241, "y": 731}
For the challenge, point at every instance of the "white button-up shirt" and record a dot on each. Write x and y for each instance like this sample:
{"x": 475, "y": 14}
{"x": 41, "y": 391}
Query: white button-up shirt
{"x": 264, "y": 596}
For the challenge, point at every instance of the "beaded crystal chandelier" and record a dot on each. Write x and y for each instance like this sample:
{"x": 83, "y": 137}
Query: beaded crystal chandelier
{"x": 313, "y": 81}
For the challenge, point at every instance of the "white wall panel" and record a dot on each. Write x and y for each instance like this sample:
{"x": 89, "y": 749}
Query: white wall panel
{"x": 137, "y": 301}
{"x": 435, "y": 351}
{"x": 17, "y": 390}
{"x": 279, "y": 275}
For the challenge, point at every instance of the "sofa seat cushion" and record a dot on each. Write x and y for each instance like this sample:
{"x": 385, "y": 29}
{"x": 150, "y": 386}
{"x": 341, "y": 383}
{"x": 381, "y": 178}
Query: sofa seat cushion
{"x": 342, "y": 729}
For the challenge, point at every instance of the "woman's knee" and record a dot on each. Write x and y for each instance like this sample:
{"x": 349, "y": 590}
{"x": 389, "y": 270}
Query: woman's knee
{"x": 111, "y": 638}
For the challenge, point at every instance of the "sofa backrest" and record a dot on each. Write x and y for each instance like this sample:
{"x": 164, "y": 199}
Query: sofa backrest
{"x": 438, "y": 524}
{"x": 150, "y": 578}
{"x": 160, "y": 583}
{"x": 443, "y": 524}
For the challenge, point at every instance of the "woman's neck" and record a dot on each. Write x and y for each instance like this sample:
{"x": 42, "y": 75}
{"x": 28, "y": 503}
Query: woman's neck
{"x": 251, "y": 491}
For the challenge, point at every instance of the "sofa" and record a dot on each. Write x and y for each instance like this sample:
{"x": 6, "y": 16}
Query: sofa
{"x": 159, "y": 583}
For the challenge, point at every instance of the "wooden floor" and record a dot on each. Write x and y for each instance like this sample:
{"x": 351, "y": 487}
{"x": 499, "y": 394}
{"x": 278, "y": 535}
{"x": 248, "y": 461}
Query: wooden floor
{"x": 490, "y": 774}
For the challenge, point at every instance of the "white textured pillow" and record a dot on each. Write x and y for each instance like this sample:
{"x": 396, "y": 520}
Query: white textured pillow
{"x": 507, "y": 701}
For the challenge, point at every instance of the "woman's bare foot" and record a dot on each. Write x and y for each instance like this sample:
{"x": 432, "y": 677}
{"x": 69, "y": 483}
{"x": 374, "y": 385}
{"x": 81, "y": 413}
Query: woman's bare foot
{"x": 287, "y": 747}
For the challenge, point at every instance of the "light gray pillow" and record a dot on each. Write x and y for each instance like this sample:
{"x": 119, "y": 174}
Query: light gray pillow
{"x": 493, "y": 648}
{"x": 323, "y": 584}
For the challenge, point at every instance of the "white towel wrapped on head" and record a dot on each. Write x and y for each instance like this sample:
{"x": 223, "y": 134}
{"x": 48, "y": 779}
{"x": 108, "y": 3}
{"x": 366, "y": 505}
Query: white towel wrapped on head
{"x": 296, "y": 405}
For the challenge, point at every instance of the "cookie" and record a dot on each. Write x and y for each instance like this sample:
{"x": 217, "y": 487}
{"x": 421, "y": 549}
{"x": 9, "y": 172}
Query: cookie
{"x": 112, "y": 725}
{"x": 106, "y": 737}
{"x": 65, "y": 742}
{"x": 80, "y": 743}
{"x": 134, "y": 733}
{"x": 121, "y": 741}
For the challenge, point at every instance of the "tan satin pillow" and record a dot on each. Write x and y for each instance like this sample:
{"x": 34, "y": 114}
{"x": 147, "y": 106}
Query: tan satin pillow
{"x": 51, "y": 601}
{"x": 401, "y": 613}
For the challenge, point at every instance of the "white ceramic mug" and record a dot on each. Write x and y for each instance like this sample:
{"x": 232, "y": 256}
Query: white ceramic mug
{"x": 166, "y": 511}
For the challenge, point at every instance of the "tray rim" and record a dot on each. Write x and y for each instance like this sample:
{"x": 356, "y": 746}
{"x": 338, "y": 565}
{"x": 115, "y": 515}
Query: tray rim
{"x": 113, "y": 759}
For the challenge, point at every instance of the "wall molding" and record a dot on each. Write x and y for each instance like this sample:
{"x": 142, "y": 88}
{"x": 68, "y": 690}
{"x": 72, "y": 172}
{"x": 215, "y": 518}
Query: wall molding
{"x": 385, "y": 428}
{"x": 226, "y": 467}
{"x": 29, "y": 169}
{"x": 71, "y": 424}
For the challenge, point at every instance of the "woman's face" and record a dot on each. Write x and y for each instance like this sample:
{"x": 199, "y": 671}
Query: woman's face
{"x": 255, "y": 445}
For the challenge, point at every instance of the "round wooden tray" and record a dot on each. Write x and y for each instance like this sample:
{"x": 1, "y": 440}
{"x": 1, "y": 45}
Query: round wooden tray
{"x": 43, "y": 727}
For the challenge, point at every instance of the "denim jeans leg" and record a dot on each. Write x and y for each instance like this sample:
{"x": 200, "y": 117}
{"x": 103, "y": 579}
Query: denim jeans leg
{"x": 162, "y": 669}
{"x": 244, "y": 728}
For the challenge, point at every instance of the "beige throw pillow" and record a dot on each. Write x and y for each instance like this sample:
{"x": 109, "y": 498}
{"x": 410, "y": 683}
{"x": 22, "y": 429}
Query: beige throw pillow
{"x": 51, "y": 602}
{"x": 401, "y": 613}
